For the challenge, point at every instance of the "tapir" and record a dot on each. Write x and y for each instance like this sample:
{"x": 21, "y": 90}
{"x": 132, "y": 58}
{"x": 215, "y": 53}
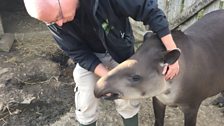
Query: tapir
{"x": 201, "y": 70}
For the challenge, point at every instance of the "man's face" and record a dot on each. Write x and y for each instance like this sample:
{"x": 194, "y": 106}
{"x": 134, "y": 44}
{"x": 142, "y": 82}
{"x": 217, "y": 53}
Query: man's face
{"x": 52, "y": 11}
{"x": 65, "y": 12}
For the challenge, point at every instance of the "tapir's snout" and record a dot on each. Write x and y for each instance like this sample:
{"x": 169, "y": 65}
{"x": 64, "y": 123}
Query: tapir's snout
{"x": 104, "y": 90}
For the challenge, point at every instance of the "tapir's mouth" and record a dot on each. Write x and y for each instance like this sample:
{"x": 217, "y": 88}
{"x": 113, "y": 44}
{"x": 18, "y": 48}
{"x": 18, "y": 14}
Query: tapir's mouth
{"x": 109, "y": 95}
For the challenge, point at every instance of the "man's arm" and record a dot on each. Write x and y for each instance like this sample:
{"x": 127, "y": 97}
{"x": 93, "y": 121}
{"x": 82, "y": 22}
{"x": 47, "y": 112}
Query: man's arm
{"x": 73, "y": 46}
{"x": 101, "y": 70}
{"x": 168, "y": 42}
{"x": 148, "y": 12}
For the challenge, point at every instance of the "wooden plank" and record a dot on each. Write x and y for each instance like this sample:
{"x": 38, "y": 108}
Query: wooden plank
{"x": 188, "y": 3}
{"x": 177, "y": 9}
{"x": 221, "y": 4}
{"x": 188, "y": 23}
{"x": 138, "y": 29}
{"x": 1, "y": 27}
{"x": 6, "y": 42}
{"x": 214, "y": 6}
{"x": 163, "y": 5}
{"x": 188, "y": 13}
{"x": 174, "y": 9}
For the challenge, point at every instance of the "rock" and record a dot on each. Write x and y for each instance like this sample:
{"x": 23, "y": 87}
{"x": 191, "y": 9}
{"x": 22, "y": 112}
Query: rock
{"x": 138, "y": 29}
{"x": 28, "y": 100}
{"x": 3, "y": 70}
{"x": 1, "y": 106}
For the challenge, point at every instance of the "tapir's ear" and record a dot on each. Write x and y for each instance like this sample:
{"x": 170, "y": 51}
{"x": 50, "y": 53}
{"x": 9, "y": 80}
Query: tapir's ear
{"x": 147, "y": 35}
{"x": 172, "y": 56}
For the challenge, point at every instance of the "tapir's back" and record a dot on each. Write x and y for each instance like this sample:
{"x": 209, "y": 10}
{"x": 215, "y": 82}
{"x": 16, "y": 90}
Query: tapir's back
{"x": 211, "y": 24}
{"x": 202, "y": 57}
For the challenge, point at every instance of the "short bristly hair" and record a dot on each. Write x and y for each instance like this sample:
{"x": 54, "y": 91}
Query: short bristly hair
{"x": 36, "y": 8}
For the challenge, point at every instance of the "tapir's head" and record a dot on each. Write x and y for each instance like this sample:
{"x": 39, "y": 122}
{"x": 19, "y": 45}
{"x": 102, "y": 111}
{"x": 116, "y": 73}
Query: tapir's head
{"x": 141, "y": 75}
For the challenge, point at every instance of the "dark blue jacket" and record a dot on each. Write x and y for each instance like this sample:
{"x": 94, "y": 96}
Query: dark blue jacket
{"x": 103, "y": 25}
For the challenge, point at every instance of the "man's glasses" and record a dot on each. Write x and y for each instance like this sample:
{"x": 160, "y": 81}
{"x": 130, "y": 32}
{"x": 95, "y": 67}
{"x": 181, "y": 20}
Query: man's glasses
{"x": 60, "y": 15}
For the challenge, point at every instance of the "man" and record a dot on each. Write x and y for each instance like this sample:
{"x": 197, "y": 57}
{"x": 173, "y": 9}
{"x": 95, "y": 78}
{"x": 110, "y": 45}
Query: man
{"x": 97, "y": 35}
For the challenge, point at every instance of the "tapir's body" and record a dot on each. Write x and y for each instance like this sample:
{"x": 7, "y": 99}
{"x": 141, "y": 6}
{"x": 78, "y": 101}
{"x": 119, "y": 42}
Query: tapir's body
{"x": 201, "y": 70}
{"x": 201, "y": 61}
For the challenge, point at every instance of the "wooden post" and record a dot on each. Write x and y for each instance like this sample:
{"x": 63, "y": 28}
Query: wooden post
{"x": 6, "y": 39}
{"x": 6, "y": 42}
{"x": 188, "y": 13}
{"x": 1, "y": 27}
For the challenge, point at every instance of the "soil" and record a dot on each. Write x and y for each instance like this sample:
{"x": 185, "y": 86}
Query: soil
{"x": 36, "y": 84}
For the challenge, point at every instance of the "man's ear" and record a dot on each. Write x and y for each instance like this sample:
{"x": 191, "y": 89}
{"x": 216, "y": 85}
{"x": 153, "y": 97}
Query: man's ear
{"x": 172, "y": 56}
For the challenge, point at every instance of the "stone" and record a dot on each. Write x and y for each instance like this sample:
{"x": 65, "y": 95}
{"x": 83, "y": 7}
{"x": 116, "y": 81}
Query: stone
{"x": 3, "y": 70}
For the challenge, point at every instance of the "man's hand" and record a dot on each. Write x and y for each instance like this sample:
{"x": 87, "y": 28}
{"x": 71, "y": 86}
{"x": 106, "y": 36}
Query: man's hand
{"x": 101, "y": 70}
{"x": 170, "y": 71}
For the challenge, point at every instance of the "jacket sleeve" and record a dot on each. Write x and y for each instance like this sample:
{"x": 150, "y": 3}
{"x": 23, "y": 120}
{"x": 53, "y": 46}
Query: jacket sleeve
{"x": 76, "y": 49}
{"x": 146, "y": 11}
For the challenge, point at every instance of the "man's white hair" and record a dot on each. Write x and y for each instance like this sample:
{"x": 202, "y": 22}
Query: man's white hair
{"x": 36, "y": 8}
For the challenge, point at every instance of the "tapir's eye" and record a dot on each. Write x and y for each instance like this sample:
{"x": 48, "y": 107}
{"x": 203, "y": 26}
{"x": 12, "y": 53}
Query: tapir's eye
{"x": 135, "y": 78}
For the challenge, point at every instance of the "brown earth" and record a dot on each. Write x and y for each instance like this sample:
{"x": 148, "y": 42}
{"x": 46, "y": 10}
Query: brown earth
{"x": 36, "y": 85}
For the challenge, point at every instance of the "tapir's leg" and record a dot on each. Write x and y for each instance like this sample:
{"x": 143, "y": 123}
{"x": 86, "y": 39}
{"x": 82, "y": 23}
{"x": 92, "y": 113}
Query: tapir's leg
{"x": 190, "y": 114}
{"x": 159, "y": 111}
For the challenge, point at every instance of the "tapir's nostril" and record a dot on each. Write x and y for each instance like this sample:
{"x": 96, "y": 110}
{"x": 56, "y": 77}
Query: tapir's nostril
{"x": 99, "y": 88}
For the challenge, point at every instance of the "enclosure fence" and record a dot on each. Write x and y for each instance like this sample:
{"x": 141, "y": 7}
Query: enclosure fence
{"x": 180, "y": 14}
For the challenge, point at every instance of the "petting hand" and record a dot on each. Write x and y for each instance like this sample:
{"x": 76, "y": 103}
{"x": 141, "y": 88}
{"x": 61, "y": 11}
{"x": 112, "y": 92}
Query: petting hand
{"x": 170, "y": 71}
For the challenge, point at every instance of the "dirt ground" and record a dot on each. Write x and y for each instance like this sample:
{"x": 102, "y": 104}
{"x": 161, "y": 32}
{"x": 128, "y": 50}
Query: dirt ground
{"x": 36, "y": 84}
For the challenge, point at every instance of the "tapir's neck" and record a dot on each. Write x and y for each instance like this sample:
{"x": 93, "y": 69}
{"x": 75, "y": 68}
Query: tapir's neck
{"x": 170, "y": 93}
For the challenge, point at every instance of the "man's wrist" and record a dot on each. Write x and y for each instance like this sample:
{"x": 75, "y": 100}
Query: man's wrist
{"x": 169, "y": 42}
